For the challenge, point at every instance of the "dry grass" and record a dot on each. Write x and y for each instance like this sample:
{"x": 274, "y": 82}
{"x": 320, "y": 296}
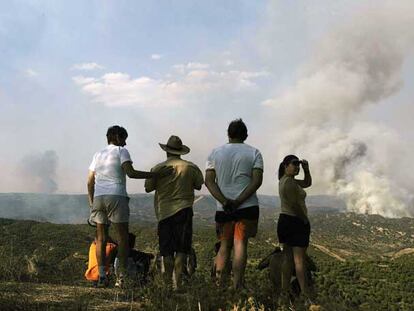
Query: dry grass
{"x": 41, "y": 296}
{"x": 35, "y": 256}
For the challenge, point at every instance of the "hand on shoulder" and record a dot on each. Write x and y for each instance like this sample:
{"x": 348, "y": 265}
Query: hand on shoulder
{"x": 164, "y": 171}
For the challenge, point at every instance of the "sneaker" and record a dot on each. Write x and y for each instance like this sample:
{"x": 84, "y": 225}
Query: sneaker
{"x": 103, "y": 282}
{"x": 123, "y": 281}
{"x": 119, "y": 281}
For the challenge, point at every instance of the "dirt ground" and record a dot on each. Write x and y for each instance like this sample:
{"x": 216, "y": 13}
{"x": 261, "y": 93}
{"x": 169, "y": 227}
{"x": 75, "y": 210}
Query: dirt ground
{"x": 42, "y": 296}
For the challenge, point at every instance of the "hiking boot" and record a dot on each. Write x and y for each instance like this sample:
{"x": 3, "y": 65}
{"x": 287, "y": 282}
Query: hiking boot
{"x": 103, "y": 282}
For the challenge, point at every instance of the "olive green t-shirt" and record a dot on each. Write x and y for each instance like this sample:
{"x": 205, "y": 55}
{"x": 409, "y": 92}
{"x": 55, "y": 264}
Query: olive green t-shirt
{"x": 292, "y": 197}
{"x": 176, "y": 191}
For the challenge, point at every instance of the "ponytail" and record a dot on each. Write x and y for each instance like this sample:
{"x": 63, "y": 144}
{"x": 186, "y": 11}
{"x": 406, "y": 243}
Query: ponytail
{"x": 281, "y": 171}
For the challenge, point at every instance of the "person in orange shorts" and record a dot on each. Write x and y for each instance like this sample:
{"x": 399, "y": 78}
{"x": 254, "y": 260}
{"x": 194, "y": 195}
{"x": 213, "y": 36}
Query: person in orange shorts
{"x": 234, "y": 172}
{"x": 92, "y": 273}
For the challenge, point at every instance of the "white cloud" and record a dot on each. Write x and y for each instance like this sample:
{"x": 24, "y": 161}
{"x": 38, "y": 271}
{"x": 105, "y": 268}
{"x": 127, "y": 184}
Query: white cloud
{"x": 119, "y": 89}
{"x": 81, "y": 80}
{"x": 190, "y": 66}
{"x": 197, "y": 66}
{"x": 87, "y": 66}
{"x": 194, "y": 83}
{"x": 31, "y": 73}
{"x": 156, "y": 56}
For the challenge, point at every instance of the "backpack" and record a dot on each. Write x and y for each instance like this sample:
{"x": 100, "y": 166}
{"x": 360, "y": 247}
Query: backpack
{"x": 139, "y": 264}
{"x": 274, "y": 261}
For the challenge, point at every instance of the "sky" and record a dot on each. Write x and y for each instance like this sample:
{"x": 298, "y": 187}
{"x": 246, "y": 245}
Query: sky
{"x": 327, "y": 80}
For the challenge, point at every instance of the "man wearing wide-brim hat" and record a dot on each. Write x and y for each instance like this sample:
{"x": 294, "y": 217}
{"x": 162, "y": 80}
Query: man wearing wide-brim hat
{"x": 173, "y": 203}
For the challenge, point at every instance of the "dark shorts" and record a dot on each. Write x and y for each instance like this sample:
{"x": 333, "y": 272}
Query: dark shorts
{"x": 251, "y": 213}
{"x": 293, "y": 231}
{"x": 175, "y": 233}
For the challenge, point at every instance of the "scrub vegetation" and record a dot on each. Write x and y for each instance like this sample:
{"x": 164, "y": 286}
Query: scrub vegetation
{"x": 364, "y": 263}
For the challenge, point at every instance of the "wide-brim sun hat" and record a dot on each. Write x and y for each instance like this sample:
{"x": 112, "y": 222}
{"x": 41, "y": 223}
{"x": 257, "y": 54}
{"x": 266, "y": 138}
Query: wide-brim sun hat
{"x": 175, "y": 146}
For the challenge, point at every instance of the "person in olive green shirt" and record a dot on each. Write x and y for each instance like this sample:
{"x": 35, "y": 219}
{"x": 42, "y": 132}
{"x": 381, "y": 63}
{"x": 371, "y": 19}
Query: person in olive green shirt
{"x": 173, "y": 203}
{"x": 293, "y": 228}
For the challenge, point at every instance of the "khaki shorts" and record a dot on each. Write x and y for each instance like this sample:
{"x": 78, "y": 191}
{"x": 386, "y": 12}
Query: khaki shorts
{"x": 109, "y": 208}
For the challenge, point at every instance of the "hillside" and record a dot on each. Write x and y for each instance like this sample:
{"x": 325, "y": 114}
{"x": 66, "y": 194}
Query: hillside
{"x": 73, "y": 209}
{"x": 365, "y": 263}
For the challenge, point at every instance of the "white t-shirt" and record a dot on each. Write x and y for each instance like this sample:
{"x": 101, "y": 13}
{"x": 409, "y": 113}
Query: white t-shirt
{"x": 110, "y": 178}
{"x": 233, "y": 164}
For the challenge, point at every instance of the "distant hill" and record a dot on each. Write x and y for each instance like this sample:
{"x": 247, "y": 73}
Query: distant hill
{"x": 73, "y": 209}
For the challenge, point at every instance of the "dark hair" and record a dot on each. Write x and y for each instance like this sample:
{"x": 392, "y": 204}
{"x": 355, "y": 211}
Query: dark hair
{"x": 289, "y": 158}
{"x": 131, "y": 240}
{"x": 115, "y": 133}
{"x": 237, "y": 129}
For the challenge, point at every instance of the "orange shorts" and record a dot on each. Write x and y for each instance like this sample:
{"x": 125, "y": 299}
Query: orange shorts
{"x": 238, "y": 230}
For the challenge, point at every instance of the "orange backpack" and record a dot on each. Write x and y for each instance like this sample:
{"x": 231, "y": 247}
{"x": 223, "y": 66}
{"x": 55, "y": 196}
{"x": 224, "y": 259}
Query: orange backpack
{"x": 92, "y": 274}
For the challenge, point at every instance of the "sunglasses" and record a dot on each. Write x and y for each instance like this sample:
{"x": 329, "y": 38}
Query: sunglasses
{"x": 296, "y": 162}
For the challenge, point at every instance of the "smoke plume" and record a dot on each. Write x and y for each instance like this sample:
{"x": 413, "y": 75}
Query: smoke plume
{"x": 38, "y": 171}
{"x": 355, "y": 66}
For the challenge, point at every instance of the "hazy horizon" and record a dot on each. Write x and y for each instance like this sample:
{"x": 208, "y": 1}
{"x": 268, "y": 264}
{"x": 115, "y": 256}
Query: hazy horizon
{"x": 328, "y": 81}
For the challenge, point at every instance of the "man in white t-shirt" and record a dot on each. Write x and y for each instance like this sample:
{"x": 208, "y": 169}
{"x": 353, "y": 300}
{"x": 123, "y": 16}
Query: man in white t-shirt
{"x": 234, "y": 172}
{"x": 108, "y": 197}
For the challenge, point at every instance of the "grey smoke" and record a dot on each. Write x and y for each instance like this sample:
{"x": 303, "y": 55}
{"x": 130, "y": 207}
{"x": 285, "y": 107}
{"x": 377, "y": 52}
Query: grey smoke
{"x": 356, "y": 65}
{"x": 357, "y": 150}
{"x": 38, "y": 171}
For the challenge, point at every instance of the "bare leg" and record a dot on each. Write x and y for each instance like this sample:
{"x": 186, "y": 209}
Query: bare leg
{"x": 123, "y": 247}
{"x": 168, "y": 268}
{"x": 179, "y": 261}
{"x": 101, "y": 238}
{"x": 239, "y": 262}
{"x": 299, "y": 258}
{"x": 222, "y": 259}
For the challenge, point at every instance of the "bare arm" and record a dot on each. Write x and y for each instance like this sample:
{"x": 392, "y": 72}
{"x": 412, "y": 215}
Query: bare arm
{"x": 132, "y": 173}
{"x": 199, "y": 180}
{"x": 255, "y": 183}
{"x": 91, "y": 186}
{"x": 212, "y": 186}
{"x": 307, "y": 181}
{"x": 149, "y": 185}
{"x": 152, "y": 177}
